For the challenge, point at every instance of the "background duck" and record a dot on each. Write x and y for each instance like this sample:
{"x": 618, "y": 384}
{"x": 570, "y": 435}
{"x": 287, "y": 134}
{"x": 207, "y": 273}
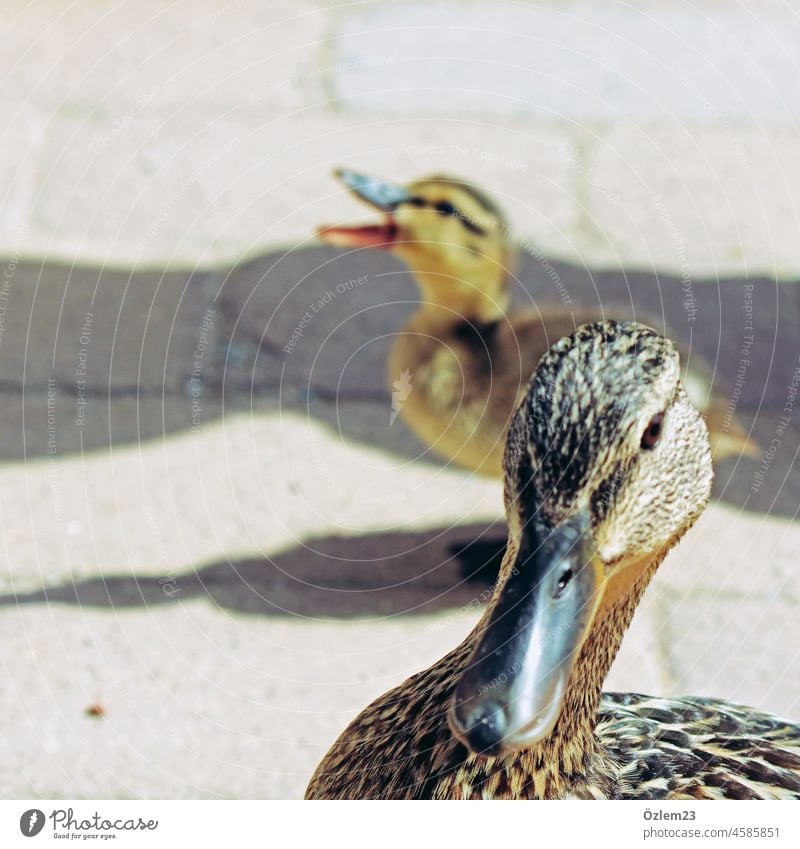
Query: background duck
{"x": 460, "y": 365}
{"x": 606, "y": 466}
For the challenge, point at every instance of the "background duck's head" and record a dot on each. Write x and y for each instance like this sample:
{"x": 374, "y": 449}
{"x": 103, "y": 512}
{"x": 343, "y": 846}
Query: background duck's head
{"x": 607, "y": 464}
{"x": 450, "y": 234}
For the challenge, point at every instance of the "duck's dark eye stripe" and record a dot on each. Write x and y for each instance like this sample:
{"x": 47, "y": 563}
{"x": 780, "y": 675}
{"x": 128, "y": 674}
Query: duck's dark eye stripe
{"x": 473, "y": 228}
{"x": 445, "y": 208}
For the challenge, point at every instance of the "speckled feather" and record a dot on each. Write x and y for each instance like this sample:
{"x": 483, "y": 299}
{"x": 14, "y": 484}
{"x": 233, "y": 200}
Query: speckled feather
{"x": 578, "y": 428}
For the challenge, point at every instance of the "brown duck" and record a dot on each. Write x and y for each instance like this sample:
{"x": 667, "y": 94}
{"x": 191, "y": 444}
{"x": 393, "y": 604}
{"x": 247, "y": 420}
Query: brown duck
{"x": 606, "y": 465}
{"x": 461, "y": 364}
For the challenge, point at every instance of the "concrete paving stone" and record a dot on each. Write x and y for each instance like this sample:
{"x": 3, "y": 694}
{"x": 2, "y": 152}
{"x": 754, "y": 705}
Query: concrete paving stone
{"x": 722, "y": 196}
{"x": 109, "y": 422}
{"x": 743, "y": 649}
{"x": 98, "y": 57}
{"x": 736, "y": 553}
{"x": 199, "y": 703}
{"x": 101, "y": 331}
{"x": 579, "y": 60}
{"x": 20, "y": 136}
{"x": 769, "y": 484}
{"x": 173, "y": 168}
{"x": 209, "y": 130}
{"x": 210, "y": 185}
{"x": 242, "y": 487}
{"x": 638, "y": 668}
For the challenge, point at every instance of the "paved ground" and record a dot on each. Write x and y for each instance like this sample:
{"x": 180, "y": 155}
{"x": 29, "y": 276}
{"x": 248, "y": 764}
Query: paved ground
{"x": 229, "y": 551}
{"x": 214, "y": 553}
{"x": 651, "y": 134}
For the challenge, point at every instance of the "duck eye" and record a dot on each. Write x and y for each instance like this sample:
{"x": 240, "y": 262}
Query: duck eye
{"x": 445, "y": 208}
{"x": 563, "y": 579}
{"x": 652, "y": 433}
{"x": 416, "y": 201}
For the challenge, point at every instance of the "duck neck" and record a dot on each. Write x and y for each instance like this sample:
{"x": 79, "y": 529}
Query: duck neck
{"x": 447, "y": 303}
{"x": 572, "y": 754}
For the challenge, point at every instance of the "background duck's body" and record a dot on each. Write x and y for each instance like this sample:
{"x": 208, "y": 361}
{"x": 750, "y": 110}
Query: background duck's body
{"x": 466, "y": 354}
{"x": 606, "y": 466}
{"x": 467, "y": 377}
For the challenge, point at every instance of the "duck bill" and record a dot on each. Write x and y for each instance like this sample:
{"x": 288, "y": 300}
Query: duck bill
{"x": 513, "y": 689}
{"x": 379, "y": 194}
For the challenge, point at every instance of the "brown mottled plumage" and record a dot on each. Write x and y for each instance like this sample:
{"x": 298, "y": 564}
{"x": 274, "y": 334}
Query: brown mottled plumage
{"x": 466, "y": 354}
{"x": 607, "y": 464}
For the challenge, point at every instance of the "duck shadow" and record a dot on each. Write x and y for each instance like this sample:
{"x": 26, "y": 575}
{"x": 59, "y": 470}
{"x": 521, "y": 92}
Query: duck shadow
{"x": 372, "y": 576}
{"x": 310, "y": 330}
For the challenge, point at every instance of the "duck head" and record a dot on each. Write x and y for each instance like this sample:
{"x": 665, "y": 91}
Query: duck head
{"x": 606, "y": 465}
{"x": 450, "y": 234}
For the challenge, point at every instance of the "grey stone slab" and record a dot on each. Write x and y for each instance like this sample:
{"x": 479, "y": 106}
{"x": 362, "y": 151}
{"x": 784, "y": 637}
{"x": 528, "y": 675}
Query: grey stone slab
{"x": 737, "y": 648}
{"x": 327, "y": 315}
{"x": 580, "y": 60}
{"x": 113, "y": 330}
{"x": 197, "y": 703}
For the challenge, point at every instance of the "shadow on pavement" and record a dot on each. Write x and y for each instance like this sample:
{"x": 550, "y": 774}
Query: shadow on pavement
{"x": 372, "y": 576}
{"x": 112, "y": 357}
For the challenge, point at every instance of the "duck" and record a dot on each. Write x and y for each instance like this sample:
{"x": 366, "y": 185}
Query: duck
{"x": 606, "y": 465}
{"x": 459, "y": 367}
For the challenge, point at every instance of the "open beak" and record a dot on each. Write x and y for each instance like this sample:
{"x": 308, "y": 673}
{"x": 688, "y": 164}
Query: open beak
{"x": 512, "y": 691}
{"x": 379, "y": 194}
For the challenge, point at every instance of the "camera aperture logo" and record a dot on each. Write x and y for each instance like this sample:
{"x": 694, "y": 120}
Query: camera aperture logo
{"x": 66, "y": 826}
{"x": 31, "y": 822}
